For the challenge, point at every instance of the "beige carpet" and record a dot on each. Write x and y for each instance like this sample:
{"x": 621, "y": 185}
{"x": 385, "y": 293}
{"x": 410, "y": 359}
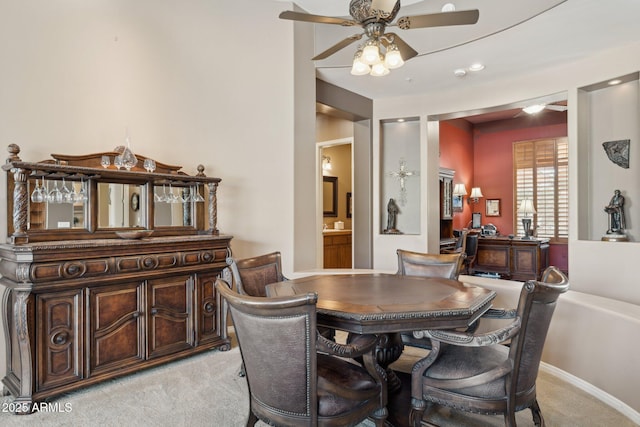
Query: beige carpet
{"x": 205, "y": 390}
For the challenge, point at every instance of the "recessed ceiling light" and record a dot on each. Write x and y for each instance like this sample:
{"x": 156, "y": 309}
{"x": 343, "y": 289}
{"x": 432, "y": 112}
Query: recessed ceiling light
{"x": 448, "y": 7}
{"x": 459, "y": 72}
{"x": 615, "y": 82}
{"x": 476, "y": 67}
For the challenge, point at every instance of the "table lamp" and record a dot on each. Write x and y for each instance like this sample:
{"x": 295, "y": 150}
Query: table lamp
{"x": 526, "y": 208}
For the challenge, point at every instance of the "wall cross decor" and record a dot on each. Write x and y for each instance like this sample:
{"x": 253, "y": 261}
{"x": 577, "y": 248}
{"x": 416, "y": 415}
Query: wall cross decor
{"x": 402, "y": 174}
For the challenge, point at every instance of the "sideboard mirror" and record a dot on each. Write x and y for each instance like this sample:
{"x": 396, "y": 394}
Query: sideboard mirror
{"x": 82, "y": 197}
{"x": 121, "y": 205}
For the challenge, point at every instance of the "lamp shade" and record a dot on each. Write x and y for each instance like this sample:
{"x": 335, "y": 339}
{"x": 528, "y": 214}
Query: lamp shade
{"x": 526, "y": 207}
{"x": 379, "y": 69}
{"x": 476, "y": 193}
{"x": 359, "y": 68}
{"x": 393, "y": 59}
{"x": 371, "y": 52}
{"x": 459, "y": 190}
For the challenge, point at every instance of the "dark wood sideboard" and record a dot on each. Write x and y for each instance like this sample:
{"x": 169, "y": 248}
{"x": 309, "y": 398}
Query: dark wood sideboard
{"x": 516, "y": 259}
{"x": 86, "y": 301}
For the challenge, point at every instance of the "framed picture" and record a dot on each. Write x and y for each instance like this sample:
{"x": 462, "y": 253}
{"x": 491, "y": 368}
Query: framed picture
{"x": 458, "y": 201}
{"x": 493, "y": 207}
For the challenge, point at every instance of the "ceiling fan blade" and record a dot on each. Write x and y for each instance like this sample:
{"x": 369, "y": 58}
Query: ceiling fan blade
{"x": 384, "y": 5}
{"x": 556, "y": 107}
{"x": 319, "y": 19}
{"x": 462, "y": 17}
{"x": 406, "y": 51}
{"x": 336, "y": 47}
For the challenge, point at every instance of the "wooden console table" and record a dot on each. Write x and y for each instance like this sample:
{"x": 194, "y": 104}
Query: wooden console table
{"x": 516, "y": 259}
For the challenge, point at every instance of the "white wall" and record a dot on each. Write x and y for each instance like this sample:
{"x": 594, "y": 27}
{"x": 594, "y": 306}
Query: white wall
{"x": 74, "y": 75}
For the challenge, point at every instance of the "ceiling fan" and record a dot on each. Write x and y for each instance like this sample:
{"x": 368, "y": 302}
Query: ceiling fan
{"x": 536, "y": 108}
{"x": 382, "y": 50}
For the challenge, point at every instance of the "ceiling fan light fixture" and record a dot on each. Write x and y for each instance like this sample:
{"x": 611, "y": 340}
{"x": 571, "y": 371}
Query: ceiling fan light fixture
{"x": 393, "y": 58}
{"x": 534, "y": 109}
{"x": 379, "y": 69}
{"x": 371, "y": 52}
{"x": 359, "y": 68}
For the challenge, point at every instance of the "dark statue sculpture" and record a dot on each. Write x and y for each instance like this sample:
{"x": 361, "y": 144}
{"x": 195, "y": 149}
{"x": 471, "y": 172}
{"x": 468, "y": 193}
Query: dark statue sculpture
{"x": 617, "y": 223}
{"x": 392, "y": 218}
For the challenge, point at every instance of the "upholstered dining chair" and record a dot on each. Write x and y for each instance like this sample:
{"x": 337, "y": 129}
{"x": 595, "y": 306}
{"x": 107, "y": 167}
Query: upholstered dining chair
{"x": 411, "y": 263}
{"x": 421, "y": 264}
{"x": 252, "y": 275}
{"x": 293, "y": 374}
{"x": 477, "y": 373}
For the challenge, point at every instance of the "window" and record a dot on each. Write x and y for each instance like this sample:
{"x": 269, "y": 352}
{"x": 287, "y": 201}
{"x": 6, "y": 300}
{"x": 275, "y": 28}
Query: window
{"x": 541, "y": 173}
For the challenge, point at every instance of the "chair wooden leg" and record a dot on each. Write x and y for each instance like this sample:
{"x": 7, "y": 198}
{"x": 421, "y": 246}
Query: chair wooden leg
{"x": 380, "y": 416}
{"x": 252, "y": 419}
{"x": 538, "y": 420}
{"x": 510, "y": 419}
{"x": 417, "y": 412}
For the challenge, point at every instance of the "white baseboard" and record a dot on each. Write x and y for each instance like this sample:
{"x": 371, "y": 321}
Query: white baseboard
{"x": 594, "y": 391}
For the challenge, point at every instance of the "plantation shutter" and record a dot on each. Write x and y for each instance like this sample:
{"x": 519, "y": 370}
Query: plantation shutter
{"x": 541, "y": 174}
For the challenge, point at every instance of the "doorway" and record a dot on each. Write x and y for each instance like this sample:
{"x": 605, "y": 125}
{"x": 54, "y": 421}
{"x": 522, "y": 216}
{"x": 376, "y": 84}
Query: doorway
{"x": 334, "y": 202}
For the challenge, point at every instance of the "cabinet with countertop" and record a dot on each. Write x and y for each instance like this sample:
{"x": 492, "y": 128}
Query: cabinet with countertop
{"x": 337, "y": 249}
{"x": 512, "y": 258}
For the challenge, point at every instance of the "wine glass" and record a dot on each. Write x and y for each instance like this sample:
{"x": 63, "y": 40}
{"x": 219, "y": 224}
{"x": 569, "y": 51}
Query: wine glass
{"x": 67, "y": 195}
{"x": 149, "y": 165}
{"x": 186, "y": 195}
{"x": 160, "y": 197}
{"x": 172, "y": 197}
{"x": 55, "y": 195}
{"x": 118, "y": 162}
{"x": 82, "y": 194}
{"x": 105, "y": 161}
{"x": 37, "y": 195}
{"x": 197, "y": 197}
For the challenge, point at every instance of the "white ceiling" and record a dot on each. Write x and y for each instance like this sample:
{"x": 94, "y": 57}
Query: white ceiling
{"x": 511, "y": 37}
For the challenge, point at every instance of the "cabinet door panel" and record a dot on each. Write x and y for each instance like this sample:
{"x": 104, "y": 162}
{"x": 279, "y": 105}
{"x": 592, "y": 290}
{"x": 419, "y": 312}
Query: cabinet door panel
{"x": 59, "y": 334}
{"x": 206, "y": 308}
{"x": 170, "y": 320}
{"x": 116, "y": 332}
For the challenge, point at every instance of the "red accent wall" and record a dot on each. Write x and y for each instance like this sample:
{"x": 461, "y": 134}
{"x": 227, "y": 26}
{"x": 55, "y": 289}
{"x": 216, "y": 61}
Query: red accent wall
{"x": 456, "y": 152}
{"x": 482, "y": 157}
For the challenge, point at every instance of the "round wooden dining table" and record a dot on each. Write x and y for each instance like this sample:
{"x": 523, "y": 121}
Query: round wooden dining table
{"x": 385, "y": 305}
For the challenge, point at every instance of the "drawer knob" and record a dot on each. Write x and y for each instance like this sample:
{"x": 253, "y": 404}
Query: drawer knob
{"x": 60, "y": 338}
